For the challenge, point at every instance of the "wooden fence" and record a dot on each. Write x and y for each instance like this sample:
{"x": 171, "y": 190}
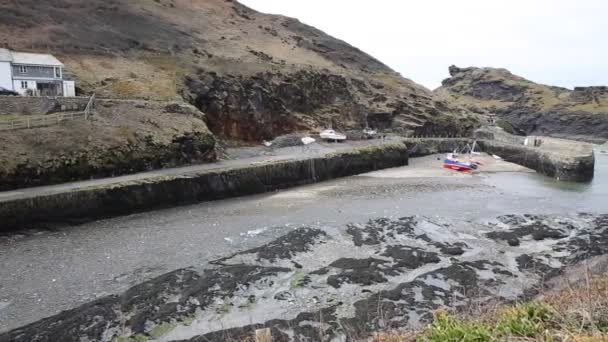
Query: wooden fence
{"x": 47, "y": 120}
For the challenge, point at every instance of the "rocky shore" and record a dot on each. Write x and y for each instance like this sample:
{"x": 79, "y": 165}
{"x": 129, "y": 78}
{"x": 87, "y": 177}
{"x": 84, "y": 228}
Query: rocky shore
{"x": 320, "y": 284}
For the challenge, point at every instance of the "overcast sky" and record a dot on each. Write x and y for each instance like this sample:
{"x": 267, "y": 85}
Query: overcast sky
{"x": 558, "y": 42}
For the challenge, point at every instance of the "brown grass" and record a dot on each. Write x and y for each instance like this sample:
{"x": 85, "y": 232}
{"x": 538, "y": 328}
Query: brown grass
{"x": 577, "y": 313}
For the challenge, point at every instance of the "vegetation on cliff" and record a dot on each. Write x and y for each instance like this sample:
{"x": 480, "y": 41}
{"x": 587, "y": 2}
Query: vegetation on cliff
{"x": 123, "y": 137}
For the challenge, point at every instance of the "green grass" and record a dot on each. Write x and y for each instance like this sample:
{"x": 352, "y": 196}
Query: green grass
{"x": 448, "y": 329}
{"x": 529, "y": 320}
{"x": 522, "y": 321}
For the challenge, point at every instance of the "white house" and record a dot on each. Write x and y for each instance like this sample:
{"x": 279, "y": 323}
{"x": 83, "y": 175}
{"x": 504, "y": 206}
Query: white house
{"x": 33, "y": 74}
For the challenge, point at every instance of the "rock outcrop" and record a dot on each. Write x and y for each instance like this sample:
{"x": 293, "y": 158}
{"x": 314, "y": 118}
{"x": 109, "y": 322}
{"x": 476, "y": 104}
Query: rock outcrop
{"x": 527, "y": 107}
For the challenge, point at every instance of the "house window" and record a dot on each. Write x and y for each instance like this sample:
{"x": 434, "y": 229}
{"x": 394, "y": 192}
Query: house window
{"x": 23, "y": 69}
{"x": 58, "y": 72}
{"x": 23, "y": 84}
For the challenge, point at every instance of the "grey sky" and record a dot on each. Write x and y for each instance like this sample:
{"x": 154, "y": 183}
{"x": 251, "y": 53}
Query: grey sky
{"x": 557, "y": 42}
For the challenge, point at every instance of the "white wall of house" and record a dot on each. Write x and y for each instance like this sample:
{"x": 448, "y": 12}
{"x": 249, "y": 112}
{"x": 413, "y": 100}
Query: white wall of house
{"x": 19, "y": 86}
{"x": 6, "y": 76}
{"x": 69, "y": 89}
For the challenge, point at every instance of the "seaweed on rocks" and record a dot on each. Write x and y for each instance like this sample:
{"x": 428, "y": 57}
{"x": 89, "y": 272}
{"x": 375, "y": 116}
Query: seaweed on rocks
{"x": 167, "y": 298}
{"x": 358, "y": 271}
{"x": 287, "y": 246}
{"x": 397, "y": 273}
{"x": 377, "y": 230}
{"x": 532, "y": 226}
{"x": 410, "y": 257}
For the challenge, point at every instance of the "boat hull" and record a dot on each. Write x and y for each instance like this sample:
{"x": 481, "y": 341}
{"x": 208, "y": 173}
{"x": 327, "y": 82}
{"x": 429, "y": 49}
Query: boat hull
{"x": 458, "y": 166}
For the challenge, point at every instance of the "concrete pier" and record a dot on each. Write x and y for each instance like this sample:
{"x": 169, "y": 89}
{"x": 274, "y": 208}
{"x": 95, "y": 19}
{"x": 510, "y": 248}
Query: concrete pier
{"x": 561, "y": 159}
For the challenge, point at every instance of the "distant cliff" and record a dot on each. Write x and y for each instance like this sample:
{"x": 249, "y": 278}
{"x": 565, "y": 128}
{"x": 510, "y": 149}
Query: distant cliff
{"x": 529, "y": 107}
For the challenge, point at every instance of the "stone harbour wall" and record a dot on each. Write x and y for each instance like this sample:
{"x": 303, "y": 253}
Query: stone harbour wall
{"x": 164, "y": 191}
{"x": 578, "y": 168}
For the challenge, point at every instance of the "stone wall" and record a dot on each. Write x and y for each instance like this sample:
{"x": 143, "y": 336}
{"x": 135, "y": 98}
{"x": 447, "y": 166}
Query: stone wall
{"x": 30, "y": 105}
{"x": 163, "y": 191}
{"x": 579, "y": 168}
{"x": 418, "y": 147}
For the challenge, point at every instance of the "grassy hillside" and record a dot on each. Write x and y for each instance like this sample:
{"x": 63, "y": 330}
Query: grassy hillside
{"x": 254, "y": 75}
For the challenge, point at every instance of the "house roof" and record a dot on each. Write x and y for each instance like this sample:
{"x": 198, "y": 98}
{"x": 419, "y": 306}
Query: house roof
{"x": 28, "y": 58}
{"x": 5, "y": 55}
{"x": 35, "y": 59}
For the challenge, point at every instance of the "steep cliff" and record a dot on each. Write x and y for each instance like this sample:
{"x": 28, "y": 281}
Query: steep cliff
{"x": 254, "y": 75}
{"x": 529, "y": 107}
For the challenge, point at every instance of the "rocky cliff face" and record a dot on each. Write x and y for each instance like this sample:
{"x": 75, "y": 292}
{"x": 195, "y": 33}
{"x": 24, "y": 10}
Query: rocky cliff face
{"x": 254, "y": 75}
{"x": 528, "y": 107}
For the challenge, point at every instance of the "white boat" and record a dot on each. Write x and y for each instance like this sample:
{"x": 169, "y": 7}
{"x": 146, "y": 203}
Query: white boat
{"x": 330, "y": 134}
{"x": 308, "y": 140}
{"x": 369, "y": 133}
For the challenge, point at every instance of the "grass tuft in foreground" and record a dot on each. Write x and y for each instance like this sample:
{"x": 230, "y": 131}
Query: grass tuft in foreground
{"x": 574, "y": 314}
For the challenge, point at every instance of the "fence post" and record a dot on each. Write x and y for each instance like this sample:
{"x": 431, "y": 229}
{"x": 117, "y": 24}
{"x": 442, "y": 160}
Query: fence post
{"x": 87, "y": 109}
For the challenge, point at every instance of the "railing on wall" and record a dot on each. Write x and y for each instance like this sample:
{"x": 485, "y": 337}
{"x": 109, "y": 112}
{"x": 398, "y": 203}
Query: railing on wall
{"x": 26, "y": 122}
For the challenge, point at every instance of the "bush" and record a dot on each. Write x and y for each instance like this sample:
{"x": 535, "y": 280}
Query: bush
{"x": 506, "y": 126}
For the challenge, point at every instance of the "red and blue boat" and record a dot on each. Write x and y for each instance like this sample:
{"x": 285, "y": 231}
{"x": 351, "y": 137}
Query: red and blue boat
{"x": 453, "y": 163}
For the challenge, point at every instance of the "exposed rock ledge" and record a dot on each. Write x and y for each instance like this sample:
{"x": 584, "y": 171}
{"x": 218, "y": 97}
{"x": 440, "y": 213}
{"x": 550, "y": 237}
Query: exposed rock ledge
{"x": 316, "y": 284}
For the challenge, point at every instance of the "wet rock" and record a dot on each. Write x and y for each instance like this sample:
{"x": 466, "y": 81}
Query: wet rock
{"x": 376, "y": 231}
{"x": 513, "y": 242}
{"x": 358, "y": 271}
{"x": 169, "y": 297}
{"x": 409, "y": 257}
{"x": 533, "y": 227}
{"x": 410, "y": 268}
{"x": 285, "y": 247}
{"x": 285, "y": 295}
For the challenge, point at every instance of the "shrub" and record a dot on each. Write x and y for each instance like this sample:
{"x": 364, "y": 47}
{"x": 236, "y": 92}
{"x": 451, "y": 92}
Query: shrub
{"x": 506, "y": 126}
